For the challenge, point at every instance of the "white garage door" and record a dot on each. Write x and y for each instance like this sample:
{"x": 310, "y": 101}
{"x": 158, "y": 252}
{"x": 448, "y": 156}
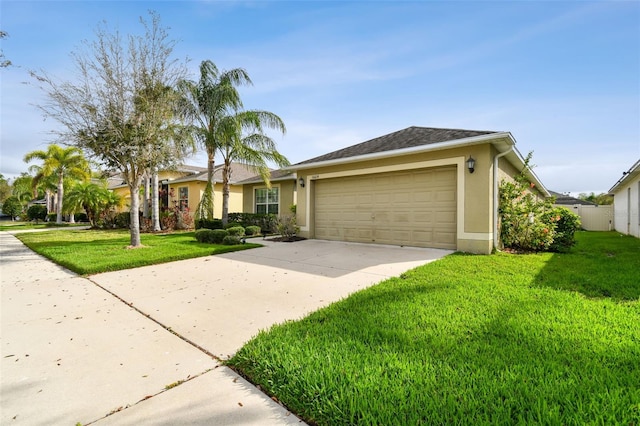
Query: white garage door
{"x": 412, "y": 208}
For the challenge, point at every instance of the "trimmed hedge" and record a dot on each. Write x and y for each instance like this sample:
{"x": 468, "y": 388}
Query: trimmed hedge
{"x": 236, "y": 231}
{"x": 252, "y": 230}
{"x": 266, "y": 222}
{"x": 209, "y": 224}
{"x": 231, "y": 240}
{"x": 211, "y": 236}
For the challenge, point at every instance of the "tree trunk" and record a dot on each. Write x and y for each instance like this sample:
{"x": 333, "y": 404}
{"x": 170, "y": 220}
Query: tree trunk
{"x": 155, "y": 204}
{"x": 147, "y": 195}
{"x": 226, "y": 174}
{"x": 134, "y": 215}
{"x": 60, "y": 195}
{"x": 211, "y": 163}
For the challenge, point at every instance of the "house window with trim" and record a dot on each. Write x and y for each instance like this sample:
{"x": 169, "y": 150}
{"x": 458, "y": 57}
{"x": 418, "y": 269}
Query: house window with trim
{"x": 183, "y": 198}
{"x": 267, "y": 200}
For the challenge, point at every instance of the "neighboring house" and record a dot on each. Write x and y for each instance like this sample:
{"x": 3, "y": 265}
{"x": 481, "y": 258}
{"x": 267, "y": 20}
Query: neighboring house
{"x": 188, "y": 190}
{"x": 258, "y": 198}
{"x": 413, "y": 187}
{"x": 626, "y": 201}
{"x": 184, "y": 187}
{"x": 117, "y": 184}
{"x": 593, "y": 217}
{"x": 567, "y": 200}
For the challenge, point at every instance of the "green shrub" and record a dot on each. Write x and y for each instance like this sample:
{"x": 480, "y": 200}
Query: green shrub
{"x": 524, "y": 219}
{"x": 218, "y": 235}
{"x": 51, "y": 217}
{"x": 252, "y": 230}
{"x": 81, "y": 217}
{"x": 205, "y": 236}
{"x": 12, "y": 207}
{"x": 37, "y": 212}
{"x": 287, "y": 226}
{"x": 232, "y": 225}
{"x": 209, "y": 224}
{"x": 236, "y": 231}
{"x": 122, "y": 220}
{"x": 567, "y": 223}
{"x": 266, "y": 222}
{"x": 231, "y": 240}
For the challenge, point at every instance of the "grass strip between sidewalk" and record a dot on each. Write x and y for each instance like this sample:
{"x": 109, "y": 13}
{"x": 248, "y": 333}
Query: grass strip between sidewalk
{"x": 501, "y": 339}
{"x": 93, "y": 251}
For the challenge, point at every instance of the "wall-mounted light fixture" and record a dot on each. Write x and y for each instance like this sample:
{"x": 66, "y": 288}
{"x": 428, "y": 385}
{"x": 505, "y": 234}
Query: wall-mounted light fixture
{"x": 471, "y": 164}
{"x": 301, "y": 182}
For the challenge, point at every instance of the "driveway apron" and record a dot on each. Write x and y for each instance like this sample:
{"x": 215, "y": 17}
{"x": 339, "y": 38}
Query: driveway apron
{"x": 76, "y": 349}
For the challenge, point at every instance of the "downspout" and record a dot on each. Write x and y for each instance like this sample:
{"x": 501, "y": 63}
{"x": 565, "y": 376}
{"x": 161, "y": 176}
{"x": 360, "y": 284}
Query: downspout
{"x": 495, "y": 195}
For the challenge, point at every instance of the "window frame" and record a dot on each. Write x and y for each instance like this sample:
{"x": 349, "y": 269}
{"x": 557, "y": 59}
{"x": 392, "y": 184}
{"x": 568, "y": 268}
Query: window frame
{"x": 267, "y": 203}
{"x": 183, "y": 203}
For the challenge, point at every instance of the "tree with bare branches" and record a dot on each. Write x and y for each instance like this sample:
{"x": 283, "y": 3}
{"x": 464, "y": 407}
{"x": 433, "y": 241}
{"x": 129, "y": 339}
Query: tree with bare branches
{"x": 120, "y": 108}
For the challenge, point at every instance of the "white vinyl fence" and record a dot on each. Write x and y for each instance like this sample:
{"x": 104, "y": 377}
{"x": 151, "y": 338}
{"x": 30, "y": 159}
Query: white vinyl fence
{"x": 593, "y": 218}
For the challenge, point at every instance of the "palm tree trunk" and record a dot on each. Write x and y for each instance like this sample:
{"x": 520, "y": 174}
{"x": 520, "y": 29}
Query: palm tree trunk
{"x": 226, "y": 173}
{"x": 60, "y": 196}
{"x": 155, "y": 205}
{"x": 145, "y": 205}
{"x": 211, "y": 163}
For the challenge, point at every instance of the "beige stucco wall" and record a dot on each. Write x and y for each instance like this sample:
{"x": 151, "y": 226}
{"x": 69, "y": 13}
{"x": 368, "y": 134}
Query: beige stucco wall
{"x": 288, "y": 192}
{"x": 196, "y": 189}
{"x": 124, "y": 193}
{"x": 474, "y": 193}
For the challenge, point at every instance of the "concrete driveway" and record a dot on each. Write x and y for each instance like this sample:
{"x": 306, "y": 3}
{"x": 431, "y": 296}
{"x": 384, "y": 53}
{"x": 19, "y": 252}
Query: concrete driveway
{"x": 77, "y": 349}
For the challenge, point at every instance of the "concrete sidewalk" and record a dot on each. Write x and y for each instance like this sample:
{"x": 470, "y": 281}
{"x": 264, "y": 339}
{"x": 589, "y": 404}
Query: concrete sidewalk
{"x": 74, "y": 352}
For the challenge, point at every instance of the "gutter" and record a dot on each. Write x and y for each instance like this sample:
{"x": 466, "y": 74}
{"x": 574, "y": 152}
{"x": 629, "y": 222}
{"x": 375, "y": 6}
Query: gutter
{"x": 495, "y": 195}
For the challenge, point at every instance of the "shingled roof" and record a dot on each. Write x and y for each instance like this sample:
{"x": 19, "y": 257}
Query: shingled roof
{"x": 406, "y": 138}
{"x": 562, "y": 199}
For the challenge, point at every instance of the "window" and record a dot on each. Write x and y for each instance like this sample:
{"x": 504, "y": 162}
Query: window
{"x": 183, "y": 198}
{"x": 267, "y": 200}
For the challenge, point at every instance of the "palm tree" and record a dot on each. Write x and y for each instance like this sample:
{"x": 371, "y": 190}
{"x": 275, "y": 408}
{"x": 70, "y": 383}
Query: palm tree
{"x": 94, "y": 199}
{"x": 205, "y": 104}
{"x": 44, "y": 186}
{"x": 243, "y": 141}
{"x": 61, "y": 162}
{"x": 23, "y": 188}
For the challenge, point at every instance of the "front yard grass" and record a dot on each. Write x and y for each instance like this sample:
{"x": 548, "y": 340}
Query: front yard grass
{"x": 21, "y": 226}
{"x": 502, "y": 339}
{"x": 92, "y": 251}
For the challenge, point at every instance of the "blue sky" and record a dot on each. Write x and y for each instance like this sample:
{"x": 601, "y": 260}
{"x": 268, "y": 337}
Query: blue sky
{"x": 562, "y": 77}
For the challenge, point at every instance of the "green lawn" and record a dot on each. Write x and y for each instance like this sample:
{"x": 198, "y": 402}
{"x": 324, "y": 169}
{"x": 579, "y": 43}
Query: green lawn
{"x": 501, "y": 339}
{"x": 19, "y": 226}
{"x": 92, "y": 251}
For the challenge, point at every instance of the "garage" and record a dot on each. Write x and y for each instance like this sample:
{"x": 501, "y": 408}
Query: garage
{"x": 409, "y": 208}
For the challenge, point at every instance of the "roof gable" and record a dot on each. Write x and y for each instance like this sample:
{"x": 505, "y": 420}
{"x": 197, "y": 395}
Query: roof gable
{"x": 406, "y": 138}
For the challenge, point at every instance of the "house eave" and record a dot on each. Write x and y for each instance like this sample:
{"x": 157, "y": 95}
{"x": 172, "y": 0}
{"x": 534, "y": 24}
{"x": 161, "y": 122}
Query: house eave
{"x": 626, "y": 177}
{"x": 413, "y": 150}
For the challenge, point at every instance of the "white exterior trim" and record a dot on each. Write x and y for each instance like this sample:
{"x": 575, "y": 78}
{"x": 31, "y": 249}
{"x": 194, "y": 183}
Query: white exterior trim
{"x": 253, "y": 195}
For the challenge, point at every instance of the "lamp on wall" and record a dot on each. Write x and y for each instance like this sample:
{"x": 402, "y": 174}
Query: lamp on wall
{"x": 301, "y": 182}
{"x": 471, "y": 164}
